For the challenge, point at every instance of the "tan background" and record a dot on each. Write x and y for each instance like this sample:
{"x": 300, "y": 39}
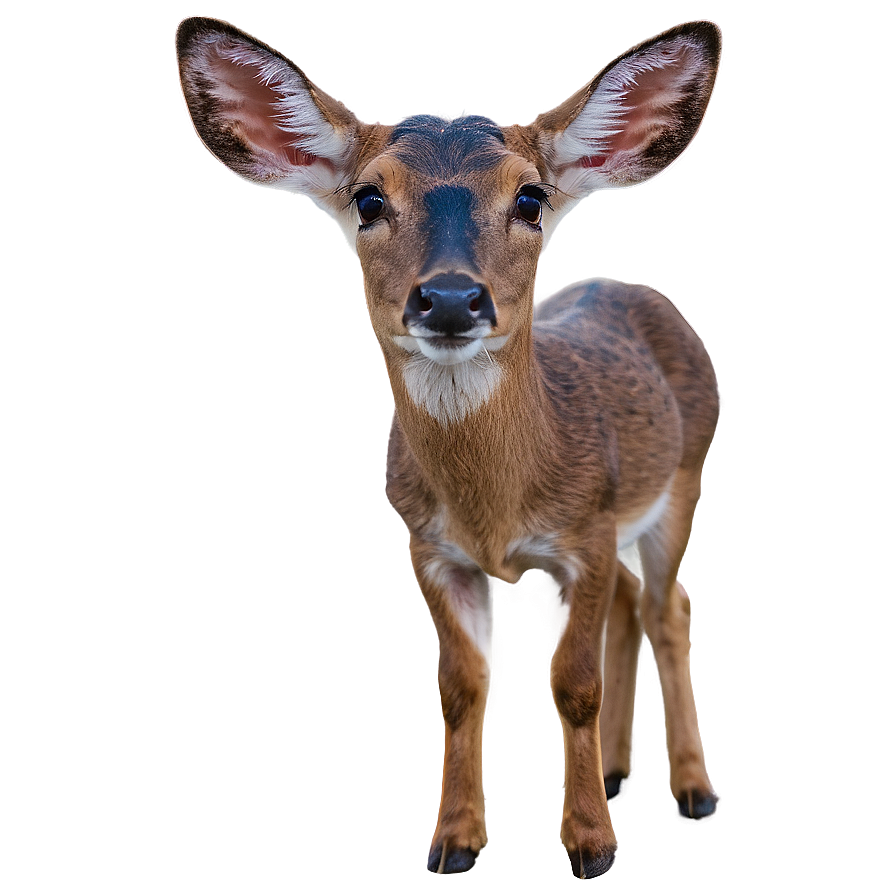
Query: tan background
{"x": 216, "y": 673}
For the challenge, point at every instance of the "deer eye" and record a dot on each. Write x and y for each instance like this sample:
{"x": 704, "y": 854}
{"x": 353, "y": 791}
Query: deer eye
{"x": 370, "y": 204}
{"x": 528, "y": 205}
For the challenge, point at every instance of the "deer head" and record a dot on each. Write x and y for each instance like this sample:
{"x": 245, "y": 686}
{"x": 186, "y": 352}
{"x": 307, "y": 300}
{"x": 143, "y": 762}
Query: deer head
{"x": 448, "y": 218}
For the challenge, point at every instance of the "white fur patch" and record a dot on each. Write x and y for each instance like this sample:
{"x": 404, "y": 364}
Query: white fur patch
{"x": 408, "y": 343}
{"x": 467, "y": 589}
{"x": 474, "y": 612}
{"x": 534, "y": 546}
{"x": 449, "y": 386}
{"x": 541, "y": 551}
{"x": 628, "y": 533}
{"x": 450, "y": 557}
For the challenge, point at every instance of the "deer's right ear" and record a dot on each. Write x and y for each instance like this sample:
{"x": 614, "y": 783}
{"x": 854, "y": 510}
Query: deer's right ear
{"x": 262, "y": 117}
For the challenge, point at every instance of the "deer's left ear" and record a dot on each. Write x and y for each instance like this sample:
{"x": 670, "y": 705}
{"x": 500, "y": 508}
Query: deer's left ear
{"x": 635, "y": 117}
{"x": 260, "y": 115}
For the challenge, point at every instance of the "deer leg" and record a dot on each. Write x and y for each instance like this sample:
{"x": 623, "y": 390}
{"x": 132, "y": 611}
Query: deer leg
{"x": 666, "y": 613}
{"x": 458, "y": 600}
{"x": 586, "y": 831}
{"x": 621, "y": 649}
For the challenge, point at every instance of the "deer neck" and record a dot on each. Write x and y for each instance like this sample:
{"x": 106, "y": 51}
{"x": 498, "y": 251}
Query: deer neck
{"x": 479, "y": 434}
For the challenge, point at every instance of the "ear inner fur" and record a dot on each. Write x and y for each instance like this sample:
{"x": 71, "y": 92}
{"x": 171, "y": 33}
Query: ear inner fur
{"x": 636, "y": 116}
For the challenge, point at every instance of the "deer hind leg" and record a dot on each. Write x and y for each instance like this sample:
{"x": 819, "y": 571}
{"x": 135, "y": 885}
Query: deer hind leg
{"x": 576, "y": 681}
{"x": 623, "y": 643}
{"x": 458, "y": 598}
{"x": 666, "y": 614}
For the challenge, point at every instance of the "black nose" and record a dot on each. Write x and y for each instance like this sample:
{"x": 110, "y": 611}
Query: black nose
{"x": 450, "y": 305}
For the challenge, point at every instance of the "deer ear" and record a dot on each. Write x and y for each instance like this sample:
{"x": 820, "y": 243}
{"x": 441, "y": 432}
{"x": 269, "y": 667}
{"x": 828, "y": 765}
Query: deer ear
{"x": 261, "y": 116}
{"x": 636, "y": 116}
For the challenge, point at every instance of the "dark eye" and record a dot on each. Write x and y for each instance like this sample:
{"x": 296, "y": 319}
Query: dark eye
{"x": 370, "y": 204}
{"x": 528, "y": 207}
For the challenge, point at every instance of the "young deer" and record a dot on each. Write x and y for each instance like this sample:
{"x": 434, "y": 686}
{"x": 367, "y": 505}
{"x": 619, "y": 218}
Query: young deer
{"x": 547, "y": 437}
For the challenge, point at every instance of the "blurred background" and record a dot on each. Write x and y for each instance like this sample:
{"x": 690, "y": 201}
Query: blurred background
{"x": 216, "y": 672}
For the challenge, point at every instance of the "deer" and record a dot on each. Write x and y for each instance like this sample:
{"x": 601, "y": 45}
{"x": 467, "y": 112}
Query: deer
{"x": 550, "y": 436}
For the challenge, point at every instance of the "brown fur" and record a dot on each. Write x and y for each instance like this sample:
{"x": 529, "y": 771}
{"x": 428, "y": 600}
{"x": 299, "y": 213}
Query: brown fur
{"x": 606, "y": 401}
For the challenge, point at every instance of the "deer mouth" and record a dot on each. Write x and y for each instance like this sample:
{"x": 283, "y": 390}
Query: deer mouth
{"x": 450, "y": 342}
{"x": 449, "y": 350}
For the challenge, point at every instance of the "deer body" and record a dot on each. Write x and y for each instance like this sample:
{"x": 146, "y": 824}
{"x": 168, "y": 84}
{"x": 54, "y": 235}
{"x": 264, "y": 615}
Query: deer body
{"x": 573, "y": 429}
{"x": 524, "y": 436}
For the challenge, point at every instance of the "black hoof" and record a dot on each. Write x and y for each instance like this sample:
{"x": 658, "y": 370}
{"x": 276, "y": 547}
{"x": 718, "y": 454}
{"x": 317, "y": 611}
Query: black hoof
{"x": 612, "y": 783}
{"x": 585, "y": 865}
{"x": 695, "y": 804}
{"x": 456, "y": 861}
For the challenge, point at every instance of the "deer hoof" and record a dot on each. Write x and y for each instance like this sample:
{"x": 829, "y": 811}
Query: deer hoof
{"x": 697, "y": 803}
{"x": 587, "y": 865}
{"x": 454, "y": 861}
{"x": 612, "y": 783}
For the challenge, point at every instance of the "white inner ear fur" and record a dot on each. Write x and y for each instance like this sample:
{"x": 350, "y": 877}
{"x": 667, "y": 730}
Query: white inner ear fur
{"x": 631, "y": 104}
{"x": 266, "y": 101}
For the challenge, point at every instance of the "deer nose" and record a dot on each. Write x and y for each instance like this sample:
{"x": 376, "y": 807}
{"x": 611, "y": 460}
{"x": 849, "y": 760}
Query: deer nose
{"x": 449, "y": 305}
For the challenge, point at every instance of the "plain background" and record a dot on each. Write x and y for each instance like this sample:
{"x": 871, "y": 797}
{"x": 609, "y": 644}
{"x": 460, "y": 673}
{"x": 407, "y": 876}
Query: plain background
{"x": 216, "y": 672}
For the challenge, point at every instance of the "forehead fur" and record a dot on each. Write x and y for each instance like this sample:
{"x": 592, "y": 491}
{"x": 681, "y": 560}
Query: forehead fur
{"x": 441, "y": 149}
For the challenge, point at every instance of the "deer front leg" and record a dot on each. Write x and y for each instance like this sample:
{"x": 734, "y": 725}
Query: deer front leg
{"x": 458, "y": 599}
{"x": 586, "y": 831}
